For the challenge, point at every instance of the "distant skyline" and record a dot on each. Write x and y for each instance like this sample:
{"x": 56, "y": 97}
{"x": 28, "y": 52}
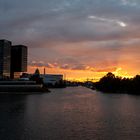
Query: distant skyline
{"x": 79, "y": 38}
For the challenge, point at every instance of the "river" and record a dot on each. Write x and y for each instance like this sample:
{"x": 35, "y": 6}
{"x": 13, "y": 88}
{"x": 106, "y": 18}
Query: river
{"x": 73, "y": 113}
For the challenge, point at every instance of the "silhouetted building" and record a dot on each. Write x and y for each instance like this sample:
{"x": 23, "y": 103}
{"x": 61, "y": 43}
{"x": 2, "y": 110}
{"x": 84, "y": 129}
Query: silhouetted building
{"x": 18, "y": 60}
{"x": 5, "y": 58}
{"x": 52, "y": 79}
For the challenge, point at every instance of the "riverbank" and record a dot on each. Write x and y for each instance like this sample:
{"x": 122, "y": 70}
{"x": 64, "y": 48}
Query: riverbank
{"x": 18, "y": 87}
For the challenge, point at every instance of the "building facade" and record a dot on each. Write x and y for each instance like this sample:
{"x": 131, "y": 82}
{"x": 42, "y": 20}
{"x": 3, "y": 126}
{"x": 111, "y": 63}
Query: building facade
{"x": 18, "y": 60}
{"x": 5, "y": 58}
{"x": 13, "y": 59}
{"x": 52, "y": 79}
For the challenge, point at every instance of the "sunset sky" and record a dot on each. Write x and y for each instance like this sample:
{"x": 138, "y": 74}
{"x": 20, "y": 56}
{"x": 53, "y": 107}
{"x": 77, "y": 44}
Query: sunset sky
{"x": 79, "y": 38}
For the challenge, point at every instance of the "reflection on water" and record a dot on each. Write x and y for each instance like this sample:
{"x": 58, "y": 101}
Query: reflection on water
{"x": 70, "y": 114}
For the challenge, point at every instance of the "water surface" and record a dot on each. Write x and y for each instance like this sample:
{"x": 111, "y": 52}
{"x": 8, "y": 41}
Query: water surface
{"x": 70, "y": 114}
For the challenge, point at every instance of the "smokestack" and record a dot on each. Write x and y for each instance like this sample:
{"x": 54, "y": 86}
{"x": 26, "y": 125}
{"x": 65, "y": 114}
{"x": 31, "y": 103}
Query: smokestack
{"x": 44, "y": 71}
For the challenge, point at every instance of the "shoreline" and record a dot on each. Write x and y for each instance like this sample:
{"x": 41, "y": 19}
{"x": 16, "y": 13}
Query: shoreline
{"x": 24, "y": 93}
{"x": 23, "y": 89}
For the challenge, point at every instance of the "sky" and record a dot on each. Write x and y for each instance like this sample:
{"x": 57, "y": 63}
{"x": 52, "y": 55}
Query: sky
{"x": 82, "y": 39}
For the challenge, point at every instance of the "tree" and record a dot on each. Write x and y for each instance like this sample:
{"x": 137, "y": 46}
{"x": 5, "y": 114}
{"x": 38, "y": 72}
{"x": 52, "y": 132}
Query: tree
{"x": 113, "y": 84}
{"x": 37, "y": 72}
{"x": 36, "y": 77}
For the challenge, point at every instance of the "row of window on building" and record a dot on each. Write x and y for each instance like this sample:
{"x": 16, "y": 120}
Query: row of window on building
{"x": 13, "y": 59}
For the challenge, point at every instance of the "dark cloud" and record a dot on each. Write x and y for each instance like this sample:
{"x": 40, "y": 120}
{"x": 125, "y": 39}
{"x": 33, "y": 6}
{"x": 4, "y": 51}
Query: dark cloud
{"x": 49, "y": 20}
{"x": 75, "y": 33}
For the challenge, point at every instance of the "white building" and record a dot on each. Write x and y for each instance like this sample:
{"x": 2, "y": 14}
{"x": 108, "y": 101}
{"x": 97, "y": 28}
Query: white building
{"x": 52, "y": 79}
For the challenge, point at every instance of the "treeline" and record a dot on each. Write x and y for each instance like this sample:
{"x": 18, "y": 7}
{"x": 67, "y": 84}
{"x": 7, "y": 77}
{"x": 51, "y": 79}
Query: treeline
{"x": 113, "y": 84}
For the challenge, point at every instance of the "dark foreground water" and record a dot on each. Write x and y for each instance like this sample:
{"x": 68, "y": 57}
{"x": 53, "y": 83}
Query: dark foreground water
{"x": 70, "y": 114}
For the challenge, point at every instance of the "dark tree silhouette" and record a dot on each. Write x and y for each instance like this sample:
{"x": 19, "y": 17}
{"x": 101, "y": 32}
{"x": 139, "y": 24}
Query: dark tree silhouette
{"x": 36, "y": 77}
{"x": 113, "y": 84}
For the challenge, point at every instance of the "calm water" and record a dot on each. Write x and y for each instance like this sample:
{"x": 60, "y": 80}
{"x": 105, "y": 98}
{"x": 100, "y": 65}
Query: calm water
{"x": 70, "y": 114}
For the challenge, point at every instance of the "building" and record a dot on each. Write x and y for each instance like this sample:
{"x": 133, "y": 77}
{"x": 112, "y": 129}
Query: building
{"x": 5, "y": 58}
{"x": 52, "y": 79}
{"x": 13, "y": 59}
{"x": 18, "y": 60}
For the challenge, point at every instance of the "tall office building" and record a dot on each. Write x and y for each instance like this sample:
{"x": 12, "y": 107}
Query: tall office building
{"x": 13, "y": 59}
{"x": 18, "y": 60}
{"x": 5, "y": 58}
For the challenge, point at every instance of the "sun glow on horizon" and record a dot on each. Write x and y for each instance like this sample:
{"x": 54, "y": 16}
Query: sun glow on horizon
{"x": 80, "y": 75}
{"x": 122, "y": 73}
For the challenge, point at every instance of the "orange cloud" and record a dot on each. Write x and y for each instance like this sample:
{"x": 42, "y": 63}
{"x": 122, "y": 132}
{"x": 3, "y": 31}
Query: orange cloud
{"x": 79, "y": 75}
{"x": 91, "y": 59}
